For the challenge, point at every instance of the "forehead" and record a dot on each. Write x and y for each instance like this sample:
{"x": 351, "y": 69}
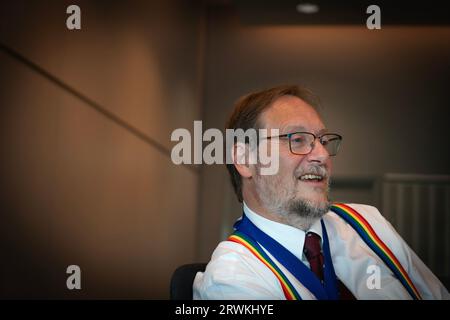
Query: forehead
{"x": 290, "y": 113}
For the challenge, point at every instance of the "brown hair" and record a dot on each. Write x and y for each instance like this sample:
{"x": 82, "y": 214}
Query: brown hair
{"x": 248, "y": 109}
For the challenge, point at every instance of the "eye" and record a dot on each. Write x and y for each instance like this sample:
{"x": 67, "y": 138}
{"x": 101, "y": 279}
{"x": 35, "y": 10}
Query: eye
{"x": 329, "y": 139}
{"x": 297, "y": 139}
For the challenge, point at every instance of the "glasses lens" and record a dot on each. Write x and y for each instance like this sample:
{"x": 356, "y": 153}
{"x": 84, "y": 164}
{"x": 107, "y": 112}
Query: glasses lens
{"x": 301, "y": 143}
{"x": 331, "y": 143}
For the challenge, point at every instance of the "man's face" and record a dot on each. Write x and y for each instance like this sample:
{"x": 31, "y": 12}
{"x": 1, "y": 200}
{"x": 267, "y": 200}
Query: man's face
{"x": 290, "y": 192}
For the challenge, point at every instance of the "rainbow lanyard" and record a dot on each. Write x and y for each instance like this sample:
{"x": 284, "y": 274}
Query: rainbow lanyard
{"x": 253, "y": 238}
{"x": 363, "y": 228}
{"x": 288, "y": 289}
{"x": 248, "y": 235}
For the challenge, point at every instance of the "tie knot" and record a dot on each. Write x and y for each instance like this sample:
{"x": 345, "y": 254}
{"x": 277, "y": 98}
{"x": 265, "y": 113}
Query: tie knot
{"x": 312, "y": 247}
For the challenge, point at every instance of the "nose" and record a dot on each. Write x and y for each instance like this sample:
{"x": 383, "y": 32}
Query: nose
{"x": 318, "y": 153}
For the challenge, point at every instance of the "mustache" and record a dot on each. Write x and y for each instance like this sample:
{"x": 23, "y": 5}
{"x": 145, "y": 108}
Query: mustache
{"x": 316, "y": 170}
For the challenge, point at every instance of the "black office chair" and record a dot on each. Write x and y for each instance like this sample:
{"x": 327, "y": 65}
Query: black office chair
{"x": 182, "y": 280}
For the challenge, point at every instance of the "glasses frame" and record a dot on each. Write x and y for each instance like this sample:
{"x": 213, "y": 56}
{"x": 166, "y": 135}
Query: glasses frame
{"x": 289, "y": 135}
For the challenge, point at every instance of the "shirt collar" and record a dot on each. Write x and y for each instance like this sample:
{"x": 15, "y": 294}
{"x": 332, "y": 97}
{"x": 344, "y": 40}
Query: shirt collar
{"x": 291, "y": 238}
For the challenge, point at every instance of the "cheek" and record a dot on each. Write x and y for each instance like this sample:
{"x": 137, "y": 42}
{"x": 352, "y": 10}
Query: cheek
{"x": 329, "y": 165}
{"x": 289, "y": 165}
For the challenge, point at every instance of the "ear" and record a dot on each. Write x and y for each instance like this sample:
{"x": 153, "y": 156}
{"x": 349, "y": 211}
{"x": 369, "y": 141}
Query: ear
{"x": 241, "y": 155}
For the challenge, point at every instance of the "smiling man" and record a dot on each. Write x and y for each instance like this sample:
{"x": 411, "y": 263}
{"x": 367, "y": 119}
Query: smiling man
{"x": 291, "y": 242}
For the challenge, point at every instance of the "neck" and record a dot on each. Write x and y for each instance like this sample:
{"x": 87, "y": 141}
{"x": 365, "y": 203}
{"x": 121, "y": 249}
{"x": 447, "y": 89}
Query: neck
{"x": 290, "y": 219}
{"x": 302, "y": 223}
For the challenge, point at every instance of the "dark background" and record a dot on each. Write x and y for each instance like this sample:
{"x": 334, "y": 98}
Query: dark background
{"x": 86, "y": 116}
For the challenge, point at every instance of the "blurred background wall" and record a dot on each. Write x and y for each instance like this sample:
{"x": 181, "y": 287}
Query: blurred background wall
{"x": 95, "y": 187}
{"x": 86, "y": 116}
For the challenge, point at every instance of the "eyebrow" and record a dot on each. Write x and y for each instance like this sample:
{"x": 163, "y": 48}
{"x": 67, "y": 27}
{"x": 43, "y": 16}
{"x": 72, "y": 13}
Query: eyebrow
{"x": 296, "y": 128}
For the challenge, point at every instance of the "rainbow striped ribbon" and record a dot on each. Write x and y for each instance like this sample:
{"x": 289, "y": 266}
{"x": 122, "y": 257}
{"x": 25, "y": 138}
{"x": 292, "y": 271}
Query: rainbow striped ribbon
{"x": 365, "y": 231}
{"x": 363, "y": 228}
{"x": 288, "y": 289}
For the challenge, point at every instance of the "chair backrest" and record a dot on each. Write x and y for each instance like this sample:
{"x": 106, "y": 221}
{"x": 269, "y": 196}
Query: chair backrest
{"x": 182, "y": 280}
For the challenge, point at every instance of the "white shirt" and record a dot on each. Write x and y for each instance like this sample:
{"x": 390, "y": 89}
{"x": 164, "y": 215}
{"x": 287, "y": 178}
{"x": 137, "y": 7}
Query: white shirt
{"x": 234, "y": 273}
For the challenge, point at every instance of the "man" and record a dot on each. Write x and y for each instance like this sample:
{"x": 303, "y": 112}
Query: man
{"x": 291, "y": 243}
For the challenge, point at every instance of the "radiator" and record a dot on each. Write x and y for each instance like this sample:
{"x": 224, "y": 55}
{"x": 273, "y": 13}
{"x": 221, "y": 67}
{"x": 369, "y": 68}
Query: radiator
{"x": 418, "y": 206}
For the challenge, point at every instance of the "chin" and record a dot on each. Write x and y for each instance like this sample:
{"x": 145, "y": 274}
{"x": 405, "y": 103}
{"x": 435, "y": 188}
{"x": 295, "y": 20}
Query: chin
{"x": 315, "y": 199}
{"x": 319, "y": 204}
{"x": 303, "y": 211}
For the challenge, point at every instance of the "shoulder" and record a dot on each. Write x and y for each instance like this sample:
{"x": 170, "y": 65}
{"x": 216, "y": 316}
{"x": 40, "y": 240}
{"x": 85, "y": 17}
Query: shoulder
{"x": 369, "y": 213}
{"x": 382, "y": 228}
{"x": 235, "y": 273}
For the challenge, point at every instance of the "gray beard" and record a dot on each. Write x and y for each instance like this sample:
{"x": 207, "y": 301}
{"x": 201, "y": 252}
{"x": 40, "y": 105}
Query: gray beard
{"x": 298, "y": 213}
{"x": 302, "y": 214}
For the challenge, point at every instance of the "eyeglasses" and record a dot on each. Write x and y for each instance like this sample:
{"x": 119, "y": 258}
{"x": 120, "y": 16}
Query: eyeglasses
{"x": 302, "y": 143}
